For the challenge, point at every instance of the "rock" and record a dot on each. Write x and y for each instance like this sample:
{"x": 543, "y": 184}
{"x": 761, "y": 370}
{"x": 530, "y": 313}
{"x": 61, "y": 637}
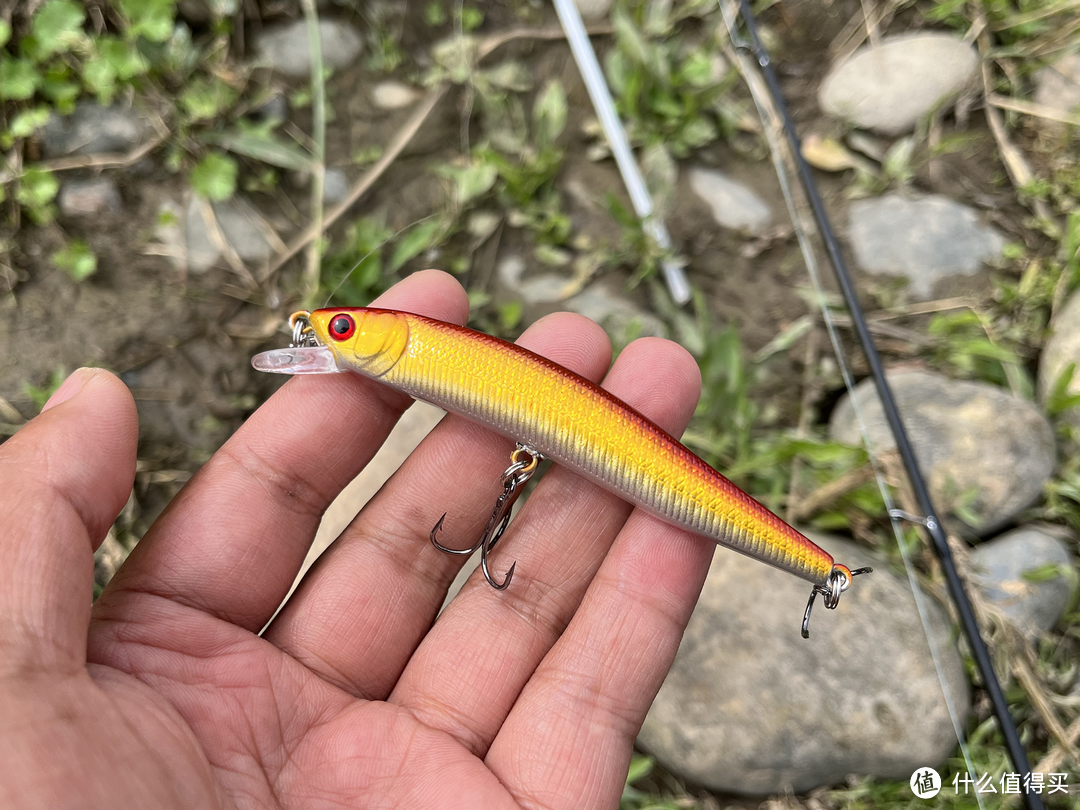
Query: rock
{"x": 391, "y": 95}
{"x": 335, "y": 186}
{"x": 924, "y": 240}
{"x": 1062, "y": 348}
{"x": 593, "y": 9}
{"x": 544, "y": 288}
{"x": 239, "y": 225}
{"x": 275, "y": 108}
{"x": 285, "y": 48}
{"x": 999, "y": 566}
{"x": 982, "y": 450}
{"x": 1057, "y": 86}
{"x": 733, "y": 204}
{"x": 888, "y": 88}
{"x": 615, "y": 313}
{"x": 92, "y": 129}
{"x": 84, "y": 198}
{"x": 750, "y": 707}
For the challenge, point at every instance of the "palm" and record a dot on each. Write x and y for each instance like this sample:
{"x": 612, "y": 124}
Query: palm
{"x": 181, "y": 696}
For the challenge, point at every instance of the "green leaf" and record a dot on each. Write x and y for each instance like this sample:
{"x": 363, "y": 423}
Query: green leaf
{"x": 124, "y": 57}
{"x": 266, "y": 147}
{"x": 471, "y": 181}
{"x": 1045, "y": 572}
{"x": 76, "y": 259}
{"x": 419, "y": 239}
{"x": 152, "y": 19}
{"x": 215, "y": 177}
{"x": 37, "y": 188}
{"x": 510, "y": 75}
{"x": 56, "y": 27}
{"x": 207, "y": 98}
{"x": 18, "y": 79}
{"x": 5, "y": 32}
{"x": 549, "y": 113}
{"x": 27, "y": 123}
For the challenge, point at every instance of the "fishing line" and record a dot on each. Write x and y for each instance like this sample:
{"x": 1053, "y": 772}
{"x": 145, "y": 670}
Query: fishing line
{"x": 932, "y": 524}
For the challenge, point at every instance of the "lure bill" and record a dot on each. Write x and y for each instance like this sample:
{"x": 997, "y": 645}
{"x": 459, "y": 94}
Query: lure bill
{"x": 554, "y": 413}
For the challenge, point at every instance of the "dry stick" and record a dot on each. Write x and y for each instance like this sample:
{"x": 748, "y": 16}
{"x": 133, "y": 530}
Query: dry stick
{"x": 1015, "y": 163}
{"x": 830, "y": 492}
{"x": 1031, "y": 108}
{"x": 318, "y": 126}
{"x": 404, "y": 136}
{"x": 809, "y": 396}
{"x": 1036, "y": 693}
{"x": 1056, "y": 757}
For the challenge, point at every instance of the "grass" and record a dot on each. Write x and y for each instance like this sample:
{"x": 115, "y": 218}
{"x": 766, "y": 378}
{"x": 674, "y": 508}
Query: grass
{"x": 678, "y": 100}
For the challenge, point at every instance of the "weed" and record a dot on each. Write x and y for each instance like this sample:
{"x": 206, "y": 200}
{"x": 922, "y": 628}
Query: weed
{"x": 39, "y": 395}
{"x": 76, "y": 259}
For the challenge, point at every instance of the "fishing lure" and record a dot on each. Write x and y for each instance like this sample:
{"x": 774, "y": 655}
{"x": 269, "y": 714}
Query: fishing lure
{"x": 552, "y": 413}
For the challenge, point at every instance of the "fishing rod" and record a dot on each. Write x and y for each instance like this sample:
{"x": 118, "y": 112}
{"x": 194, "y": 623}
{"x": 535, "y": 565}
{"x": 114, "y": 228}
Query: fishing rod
{"x": 929, "y": 518}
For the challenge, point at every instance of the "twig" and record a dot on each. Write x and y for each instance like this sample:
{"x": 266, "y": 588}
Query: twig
{"x": 830, "y": 492}
{"x": 810, "y": 393}
{"x": 1016, "y": 164}
{"x": 1054, "y": 759}
{"x": 1042, "y": 706}
{"x": 103, "y": 160}
{"x": 405, "y": 135}
{"x": 1031, "y": 108}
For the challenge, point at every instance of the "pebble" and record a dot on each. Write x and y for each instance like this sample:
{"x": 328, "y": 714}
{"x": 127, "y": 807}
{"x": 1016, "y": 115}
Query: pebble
{"x": 615, "y": 313}
{"x": 981, "y": 449}
{"x": 751, "y": 707}
{"x": 92, "y": 129}
{"x": 890, "y": 87}
{"x": 733, "y": 204}
{"x": 593, "y": 9}
{"x": 335, "y": 185}
{"x": 542, "y": 288}
{"x": 1057, "y": 86}
{"x": 1061, "y": 349}
{"x": 238, "y": 222}
{"x": 391, "y": 95}
{"x": 285, "y": 48}
{"x": 85, "y": 198}
{"x": 999, "y": 565}
{"x": 923, "y": 240}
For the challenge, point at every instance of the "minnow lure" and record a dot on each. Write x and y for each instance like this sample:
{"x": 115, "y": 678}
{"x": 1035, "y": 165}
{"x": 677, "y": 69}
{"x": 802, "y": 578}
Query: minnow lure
{"x": 554, "y": 413}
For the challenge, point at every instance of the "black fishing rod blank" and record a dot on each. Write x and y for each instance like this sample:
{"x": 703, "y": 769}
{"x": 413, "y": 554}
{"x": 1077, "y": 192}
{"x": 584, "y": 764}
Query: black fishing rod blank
{"x": 929, "y": 518}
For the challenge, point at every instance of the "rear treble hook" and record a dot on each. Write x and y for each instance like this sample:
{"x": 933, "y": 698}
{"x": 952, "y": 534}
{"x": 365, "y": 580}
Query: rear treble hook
{"x": 523, "y": 463}
{"x": 838, "y": 581}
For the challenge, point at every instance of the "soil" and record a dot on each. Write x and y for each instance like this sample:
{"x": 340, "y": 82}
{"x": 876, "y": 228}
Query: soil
{"x": 183, "y": 342}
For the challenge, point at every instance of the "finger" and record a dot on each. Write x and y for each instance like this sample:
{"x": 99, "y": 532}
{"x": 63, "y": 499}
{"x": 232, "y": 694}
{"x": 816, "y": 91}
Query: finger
{"x": 360, "y": 613}
{"x": 559, "y": 540}
{"x": 64, "y": 477}
{"x": 586, "y": 702}
{"x": 232, "y": 541}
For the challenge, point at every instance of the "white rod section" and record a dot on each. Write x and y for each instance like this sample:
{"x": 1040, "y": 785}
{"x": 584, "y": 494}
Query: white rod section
{"x": 596, "y": 84}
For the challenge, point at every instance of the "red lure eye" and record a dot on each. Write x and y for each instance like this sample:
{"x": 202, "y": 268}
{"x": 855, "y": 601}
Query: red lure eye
{"x": 342, "y": 327}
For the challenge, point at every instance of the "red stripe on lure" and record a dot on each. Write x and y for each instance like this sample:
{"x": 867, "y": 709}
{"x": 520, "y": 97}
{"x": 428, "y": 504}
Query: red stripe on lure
{"x": 554, "y": 413}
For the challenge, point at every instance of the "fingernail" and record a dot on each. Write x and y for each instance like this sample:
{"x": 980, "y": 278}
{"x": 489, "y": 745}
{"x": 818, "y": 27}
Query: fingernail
{"x": 70, "y": 387}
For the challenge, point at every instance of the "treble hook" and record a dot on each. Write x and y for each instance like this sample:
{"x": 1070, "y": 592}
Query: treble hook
{"x": 838, "y": 581}
{"x": 523, "y": 463}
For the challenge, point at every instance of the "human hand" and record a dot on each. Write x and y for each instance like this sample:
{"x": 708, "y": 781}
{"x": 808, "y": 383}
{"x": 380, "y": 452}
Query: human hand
{"x": 351, "y": 697}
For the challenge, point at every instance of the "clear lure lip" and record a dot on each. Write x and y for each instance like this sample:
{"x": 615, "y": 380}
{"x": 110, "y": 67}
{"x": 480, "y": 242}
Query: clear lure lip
{"x": 297, "y": 360}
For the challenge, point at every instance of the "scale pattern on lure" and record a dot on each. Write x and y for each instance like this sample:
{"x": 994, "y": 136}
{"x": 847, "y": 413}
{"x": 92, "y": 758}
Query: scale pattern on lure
{"x": 558, "y": 414}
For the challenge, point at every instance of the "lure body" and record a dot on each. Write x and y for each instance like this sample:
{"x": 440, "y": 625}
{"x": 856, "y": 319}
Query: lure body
{"x": 567, "y": 419}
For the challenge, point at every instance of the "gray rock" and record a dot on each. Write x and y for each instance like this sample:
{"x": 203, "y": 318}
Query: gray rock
{"x": 888, "y": 88}
{"x": 335, "y": 186}
{"x": 751, "y": 707}
{"x": 924, "y": 240}
{"x": 1060, "y": 350}
{"x": 982, "y": 450}
{"x": 542, "y": 288}
{"x": 239, "y": 225}
{"x": 733, "y": 205}
{"x": 275, "y": 108}
{"x": 593, "y": 9}
{"x": 615, "y": 313}
{"x": 92, "y": 129}
{"x": 1057, "y": 86}
{"x": 999, "y": 566}
{"x": 285, "y": 48}
{"x": 392, "y": 95}
{"x": 85, "y": 198}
